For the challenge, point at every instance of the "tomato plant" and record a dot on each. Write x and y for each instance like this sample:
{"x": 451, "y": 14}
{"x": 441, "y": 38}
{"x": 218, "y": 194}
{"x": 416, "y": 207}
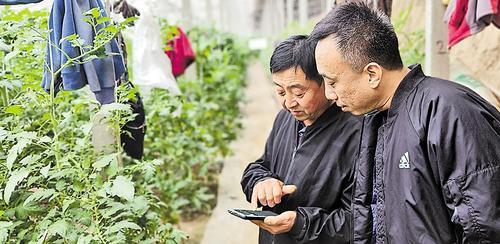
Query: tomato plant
{"x": 55, "y": 188}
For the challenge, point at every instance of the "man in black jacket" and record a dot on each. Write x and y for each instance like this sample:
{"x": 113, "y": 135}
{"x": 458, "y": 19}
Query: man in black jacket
{"x": 311, "y": 150}
{"x": 429, "y": 168}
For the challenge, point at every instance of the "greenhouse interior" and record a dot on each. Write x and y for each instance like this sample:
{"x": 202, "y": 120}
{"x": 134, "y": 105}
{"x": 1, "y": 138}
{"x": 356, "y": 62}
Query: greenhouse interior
{"x": 249, "y": 121}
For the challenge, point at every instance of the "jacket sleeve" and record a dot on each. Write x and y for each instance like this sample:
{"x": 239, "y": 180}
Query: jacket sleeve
{"x": 260, "y": 169}
{"x": 312, "y": 223}
{"x": 464, "y": 141}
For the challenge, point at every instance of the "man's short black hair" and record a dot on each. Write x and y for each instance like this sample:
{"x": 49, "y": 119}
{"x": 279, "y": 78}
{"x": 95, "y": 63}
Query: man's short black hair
{"x": 295, "y": 52}
{"x": 363, "y": 35}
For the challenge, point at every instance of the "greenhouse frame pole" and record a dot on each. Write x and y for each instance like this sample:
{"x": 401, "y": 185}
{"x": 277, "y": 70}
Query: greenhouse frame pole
{"x": 303, "y": 12}
{"x": 187, "y": 14}
{"x": 436, "y": 40}
{"x": 289, "y": 11}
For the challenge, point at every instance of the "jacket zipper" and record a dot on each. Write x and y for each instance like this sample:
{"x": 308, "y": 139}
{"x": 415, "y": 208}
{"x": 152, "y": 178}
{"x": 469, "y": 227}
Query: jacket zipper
{"x": 291, "y": 163}
{"x": 296, "y": 147}
{"x": 355, "y": 179}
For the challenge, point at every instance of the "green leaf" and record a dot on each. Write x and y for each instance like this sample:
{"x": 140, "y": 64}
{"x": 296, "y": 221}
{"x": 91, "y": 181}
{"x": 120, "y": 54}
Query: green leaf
{"x": 4, "y": 235}
{"x": 103, "y": 19}
{"x": 10, "y": 55}
{"x": 122, "y": 225}
{"x": 4, "y": 47}
{"x": 104, "y": 161}
{"x": 87, "y": 20}
{"x": 45, "y": 139}
{"x": 84, "y": 240}
{"x": 15, "y": 151}
{"x": 14, "y": 109}
{"x": 95, "y": 13}
{"x": 111, "y": 29}
{"x": 108, "y": 108}
{"x": 140, "y": 205}
{"x": 128, "y": 20}
{"x": 69, "y": 38}
{"x": 3, "y": 134}
{"x": 4, "y": 231}
{"x": 115, "y": 207}
{"x": 89, "y": 58}
{"x": 28, "y": 135}
{"x": 39, "y": 195}
{"x": 45, "y": 171}
{"x": 66, "y": 204}
{"x": 123, "y": 188}
{"x": 42, "y": 237}
{"x": 30, "y": 159}
{"x": 14, "y": 179}
{"x": 5, "y": 225}
{"x": 60, "y": 228}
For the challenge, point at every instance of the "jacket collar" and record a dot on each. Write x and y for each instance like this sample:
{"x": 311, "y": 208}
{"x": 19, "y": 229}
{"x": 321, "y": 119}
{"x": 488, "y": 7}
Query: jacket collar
{"x": 409, "y": 82}
{"x": 329, "y": 115}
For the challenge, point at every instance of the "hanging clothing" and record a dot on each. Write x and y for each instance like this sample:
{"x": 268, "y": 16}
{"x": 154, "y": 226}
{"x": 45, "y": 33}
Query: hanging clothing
{"x": 181, "y": 54}
{"x": 133, "y": 132}
{"x": 468, "y": 17}
{"x": 66, "y": 18}
{"x": 151, "y": 67}
{"x": 16, "y": 2}
{"x": 125, "y": 9}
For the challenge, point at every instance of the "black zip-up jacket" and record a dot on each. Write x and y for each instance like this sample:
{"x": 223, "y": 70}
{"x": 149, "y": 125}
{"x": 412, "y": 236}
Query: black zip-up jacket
{"x": 322, "y": 170}
{"x": 436, "y": 153}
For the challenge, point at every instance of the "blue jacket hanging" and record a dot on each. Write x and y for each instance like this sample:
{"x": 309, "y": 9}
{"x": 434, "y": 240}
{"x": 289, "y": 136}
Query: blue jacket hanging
{"x": 16, "y": 2}
{"x": 66, "y": 18}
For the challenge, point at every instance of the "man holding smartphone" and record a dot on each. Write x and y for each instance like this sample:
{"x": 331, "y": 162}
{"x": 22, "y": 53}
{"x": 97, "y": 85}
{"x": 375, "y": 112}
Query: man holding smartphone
{"x": 305, "y": 173}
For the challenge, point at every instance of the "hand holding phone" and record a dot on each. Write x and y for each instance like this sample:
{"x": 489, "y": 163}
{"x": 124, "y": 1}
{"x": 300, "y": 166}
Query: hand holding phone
{"x": 269, "y": 192}
{"x": 251, "y": 214}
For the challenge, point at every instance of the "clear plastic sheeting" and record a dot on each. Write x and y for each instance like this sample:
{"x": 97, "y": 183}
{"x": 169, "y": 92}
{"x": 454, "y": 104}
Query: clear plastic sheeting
{"x": 151, "y": 67}
{"x": 158, "y": 8}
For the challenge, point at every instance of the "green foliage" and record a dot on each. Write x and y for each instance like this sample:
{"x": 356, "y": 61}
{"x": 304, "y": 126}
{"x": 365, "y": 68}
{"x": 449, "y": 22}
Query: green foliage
{"x": 55, "y": 189}
{"x": 292, "y": 28}
{"x": 411, "y": 43}
{"x": 190, "y": 133}
{"x": 21, "y": 52}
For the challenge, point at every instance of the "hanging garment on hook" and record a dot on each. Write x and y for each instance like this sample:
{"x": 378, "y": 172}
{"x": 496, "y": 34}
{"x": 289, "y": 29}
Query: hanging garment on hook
{"x": 101, "y": 74}
{"x": 133, "y": 132}
{"x": 181, "y": 54}
{"x": 125, "y": 9}
{"x": 16, "y": 2}
{"x": 468, "y": 17}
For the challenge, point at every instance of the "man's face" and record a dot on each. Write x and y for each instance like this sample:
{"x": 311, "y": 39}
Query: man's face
{"x": 347, "y": 88}
{"x": 304, "y": 98}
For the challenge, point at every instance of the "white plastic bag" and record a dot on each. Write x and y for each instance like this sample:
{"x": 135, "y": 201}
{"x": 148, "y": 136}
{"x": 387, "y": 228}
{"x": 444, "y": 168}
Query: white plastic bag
{"x": 151, "y": 66}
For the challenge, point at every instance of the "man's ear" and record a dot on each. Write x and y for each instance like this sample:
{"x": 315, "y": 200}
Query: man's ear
{"x": 374, "y": 73}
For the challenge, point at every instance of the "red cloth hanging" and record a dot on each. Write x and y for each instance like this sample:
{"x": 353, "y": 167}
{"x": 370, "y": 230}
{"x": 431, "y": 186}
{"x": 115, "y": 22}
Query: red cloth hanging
{"x": 468, "y": 17}
{"x": 181, "y": 54}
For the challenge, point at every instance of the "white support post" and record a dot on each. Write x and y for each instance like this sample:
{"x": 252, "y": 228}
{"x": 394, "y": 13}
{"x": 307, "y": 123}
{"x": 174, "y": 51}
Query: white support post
{"x": 436, "y": 39}
{"x": 210, "y": 15}
{"x": 280, "y": 14}
{"x": 302, "y": 12}
{"x": 187, "y": 13}
{"x": 222, "y": 14}
{"x": 328, "y": 5}
{"x": 289, "y": 11}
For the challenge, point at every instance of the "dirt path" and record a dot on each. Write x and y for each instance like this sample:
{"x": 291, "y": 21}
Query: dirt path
{"x": 258, "y": 116}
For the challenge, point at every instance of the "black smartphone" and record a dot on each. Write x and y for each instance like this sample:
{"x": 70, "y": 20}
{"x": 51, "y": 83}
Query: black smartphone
{"x": 251, "y": 214}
